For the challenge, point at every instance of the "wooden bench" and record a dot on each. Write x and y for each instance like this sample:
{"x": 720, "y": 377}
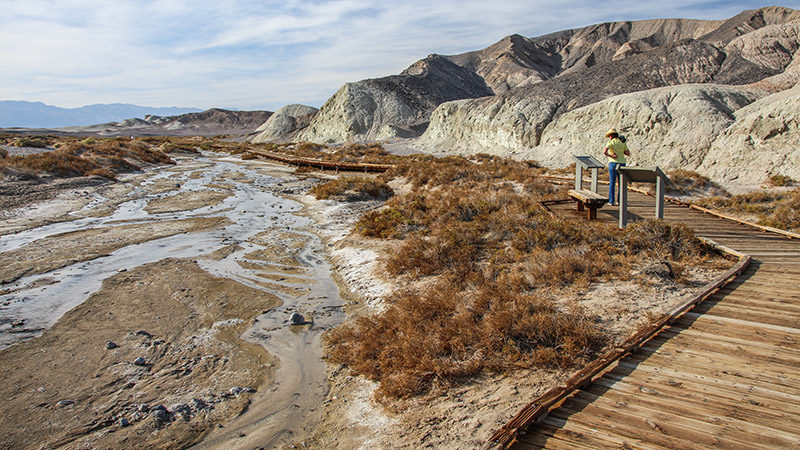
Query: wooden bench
{"x": 591, "y": 200}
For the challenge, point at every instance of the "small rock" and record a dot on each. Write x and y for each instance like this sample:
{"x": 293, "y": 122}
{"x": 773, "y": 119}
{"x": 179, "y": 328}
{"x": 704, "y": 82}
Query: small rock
{"x": 17, "y": 323}
{"x": 122, "y": 269}
{"x": 111, "y": 344}
{"x": 124, "y": 422}
{"x": 160, "y": 415}
{"x": 179, "y": 408}
{"x": 297, "y": 319}
{"x": 199, "y": 404}
{"x": 144, "y": 333}
{"x": 235, "y": 390}
{"x": 144, "y": 407}
{"x": 65, "y": 402}
{"x": 140, "y": 361}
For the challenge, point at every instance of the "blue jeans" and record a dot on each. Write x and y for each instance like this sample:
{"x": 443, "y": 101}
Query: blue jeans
{"x": 613, "y": 176}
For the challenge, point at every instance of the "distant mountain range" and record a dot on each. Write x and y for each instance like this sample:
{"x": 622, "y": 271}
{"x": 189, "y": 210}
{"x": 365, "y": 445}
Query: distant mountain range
{"x": 39, "y": 115}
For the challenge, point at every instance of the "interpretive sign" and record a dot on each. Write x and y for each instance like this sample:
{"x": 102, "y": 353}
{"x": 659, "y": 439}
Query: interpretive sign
{"x": 590, "y": 163}
{"x": 629, "y": 175}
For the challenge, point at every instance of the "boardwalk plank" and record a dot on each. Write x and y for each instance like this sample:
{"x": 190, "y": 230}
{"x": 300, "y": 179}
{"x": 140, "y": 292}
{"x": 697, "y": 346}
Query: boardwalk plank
{"x": 726, "y": 375}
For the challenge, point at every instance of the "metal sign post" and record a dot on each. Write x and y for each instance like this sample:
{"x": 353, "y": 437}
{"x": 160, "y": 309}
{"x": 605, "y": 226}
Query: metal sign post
{"x": 629, "y": 175}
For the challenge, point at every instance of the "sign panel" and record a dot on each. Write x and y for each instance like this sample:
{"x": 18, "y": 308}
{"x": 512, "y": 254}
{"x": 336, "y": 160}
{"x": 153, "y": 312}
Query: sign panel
{"x": 588, "y": 162}
{"x": 642, "y": 174}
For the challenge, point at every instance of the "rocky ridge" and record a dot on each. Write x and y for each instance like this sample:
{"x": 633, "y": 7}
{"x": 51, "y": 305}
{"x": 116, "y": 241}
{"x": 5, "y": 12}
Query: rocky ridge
{"x": 395, "y": 106}
{"x": 674, "y": 85}
{"x": 284, "y": 124}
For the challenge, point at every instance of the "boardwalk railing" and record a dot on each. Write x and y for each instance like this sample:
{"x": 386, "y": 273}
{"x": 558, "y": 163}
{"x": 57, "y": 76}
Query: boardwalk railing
{"x": 540, "y": 407}
{"x": 711, "y": 212}
{"x": 321, "y": 164}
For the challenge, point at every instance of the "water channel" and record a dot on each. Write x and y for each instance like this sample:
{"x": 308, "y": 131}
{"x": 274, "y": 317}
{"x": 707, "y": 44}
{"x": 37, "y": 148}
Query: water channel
{"x": 277, "y": 414}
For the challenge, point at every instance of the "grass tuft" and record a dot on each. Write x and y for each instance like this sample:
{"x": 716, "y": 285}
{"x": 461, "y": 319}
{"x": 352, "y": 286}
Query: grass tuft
{"x": 352, "y": 189}
{"x": 779, "y": 209}
{"x": 780, "y": 181}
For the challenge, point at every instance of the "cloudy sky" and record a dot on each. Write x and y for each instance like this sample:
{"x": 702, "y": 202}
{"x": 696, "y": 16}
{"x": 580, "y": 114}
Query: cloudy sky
{"x": 249, "y": 54}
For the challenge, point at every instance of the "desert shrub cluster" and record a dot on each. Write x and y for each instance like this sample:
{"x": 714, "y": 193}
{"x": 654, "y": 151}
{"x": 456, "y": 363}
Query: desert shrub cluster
{"x": 779, "y": 180}
{"x": 352, "y": 188}
{"x": 89, "y": 157}
{"x": 779, "y": 209}
{"x": 683, "y": 181}
{"x": 492, "y": 257}
{"x": 371, "y": 153}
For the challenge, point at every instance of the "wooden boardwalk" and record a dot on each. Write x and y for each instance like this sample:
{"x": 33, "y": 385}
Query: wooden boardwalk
{"x": 726, "y": 375}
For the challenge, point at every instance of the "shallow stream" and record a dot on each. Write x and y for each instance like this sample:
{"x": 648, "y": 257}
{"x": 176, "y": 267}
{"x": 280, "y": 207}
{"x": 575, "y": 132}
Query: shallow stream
{"x": 271, "y": 248}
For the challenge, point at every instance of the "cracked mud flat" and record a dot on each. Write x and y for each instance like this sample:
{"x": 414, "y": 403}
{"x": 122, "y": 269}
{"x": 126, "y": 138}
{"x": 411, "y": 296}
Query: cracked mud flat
{"x": 157, "y": 315}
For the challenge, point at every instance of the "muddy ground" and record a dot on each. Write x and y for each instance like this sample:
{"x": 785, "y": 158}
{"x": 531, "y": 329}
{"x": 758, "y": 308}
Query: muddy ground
{"x": 205, "y": 374}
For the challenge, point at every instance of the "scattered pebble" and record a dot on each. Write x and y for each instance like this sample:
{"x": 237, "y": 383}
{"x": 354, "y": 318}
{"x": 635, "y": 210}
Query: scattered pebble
{"x": 122, "y": 269}
{"x": 65, "y": 402}
{"x": 297, "y": 319}
{"x": 140, "y": 361}
{"x": 124, "y": 422}
{"x": 111, "y": 344}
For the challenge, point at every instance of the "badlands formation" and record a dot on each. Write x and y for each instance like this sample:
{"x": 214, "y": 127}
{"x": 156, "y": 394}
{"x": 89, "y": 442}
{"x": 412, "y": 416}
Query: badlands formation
{"x": 718, "y": 97}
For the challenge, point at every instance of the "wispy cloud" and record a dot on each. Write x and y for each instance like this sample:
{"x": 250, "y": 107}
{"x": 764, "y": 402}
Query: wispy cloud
{"x": 264, "y": 54}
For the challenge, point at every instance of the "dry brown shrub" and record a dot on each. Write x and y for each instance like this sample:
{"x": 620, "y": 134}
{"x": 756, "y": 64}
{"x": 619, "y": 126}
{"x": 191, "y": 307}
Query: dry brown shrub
{"x": 383, "y": 223}
{"x": 445, "y": 334}
{"x": 352, "y": 189}
{"x": 103, "y": 172}
{"x": 773, "y": 208}
{"x": 689, "y": 182}
{"x": 779, "y": 180}
{"x": 75, "y": 158}
{"x": 35, "y": 142}
{"x": 476, "y": 227}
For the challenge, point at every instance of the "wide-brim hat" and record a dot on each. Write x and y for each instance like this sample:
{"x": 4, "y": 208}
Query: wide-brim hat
{"x": 611, "y": 131}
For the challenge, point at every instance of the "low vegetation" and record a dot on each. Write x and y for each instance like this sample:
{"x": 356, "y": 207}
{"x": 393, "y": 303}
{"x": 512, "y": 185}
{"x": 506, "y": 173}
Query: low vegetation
{"x": 75, "y": 157}
{"x": 32, "y": 142}
{"x": 372, "y": 153}
{"x": 773, "y": 208}
{"x": 492, "y": 257}
{"x": 778, "y": 180}
{"x": 689, "y": 182}
{"x": 352, "y": 189}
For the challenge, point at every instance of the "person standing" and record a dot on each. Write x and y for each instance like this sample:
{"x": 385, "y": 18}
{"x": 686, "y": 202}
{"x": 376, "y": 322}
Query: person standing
{"x": 616, "y": 151}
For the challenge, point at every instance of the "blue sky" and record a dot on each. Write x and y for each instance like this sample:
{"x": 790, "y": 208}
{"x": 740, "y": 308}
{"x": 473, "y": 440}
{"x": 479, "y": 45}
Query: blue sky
{"x": 249, "y": 54}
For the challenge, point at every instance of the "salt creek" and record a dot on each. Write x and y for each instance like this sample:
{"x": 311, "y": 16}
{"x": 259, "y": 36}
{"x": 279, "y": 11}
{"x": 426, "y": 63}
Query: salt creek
{"x": 279, "y": 412}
